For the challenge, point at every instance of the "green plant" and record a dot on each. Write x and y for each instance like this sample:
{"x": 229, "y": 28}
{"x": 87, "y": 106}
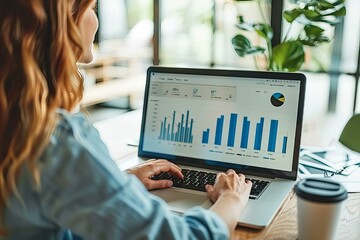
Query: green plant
{"x": 313, "y": 17}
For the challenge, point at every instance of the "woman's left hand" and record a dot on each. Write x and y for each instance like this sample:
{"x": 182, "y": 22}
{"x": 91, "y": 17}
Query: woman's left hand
{"x": 153, "y": 167}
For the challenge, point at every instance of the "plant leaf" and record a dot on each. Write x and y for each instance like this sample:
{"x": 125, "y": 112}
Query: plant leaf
{"x": 243, "y": 46}
{"x": 312, "y": 30}
{"x": 314, "y": 36}
{"x": 264, "y": 30}
{"x": 316, "y": 11}
{"x": 329, "y": 4}
{"x": 324, "y": 5}
{"x": 245, "y": 26}
{"x": 311, "y": 14}
{"x": 288, "y": 56}
{"x": 317, "y": 2}
{"x": 338, "y": 13}
{"x": 331, "y": 22}
{"x": 290, "y": 16}
{"x": 314, "y": 41}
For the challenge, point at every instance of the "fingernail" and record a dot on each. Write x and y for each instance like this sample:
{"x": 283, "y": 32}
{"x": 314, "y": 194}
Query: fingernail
{"x": 169, "y": 184}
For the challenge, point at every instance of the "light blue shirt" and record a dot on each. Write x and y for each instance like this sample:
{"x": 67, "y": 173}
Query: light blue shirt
{"x": 84, "y": 195}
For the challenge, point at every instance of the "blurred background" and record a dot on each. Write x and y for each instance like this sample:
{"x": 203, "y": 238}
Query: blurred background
{"x": 136, "y": 34}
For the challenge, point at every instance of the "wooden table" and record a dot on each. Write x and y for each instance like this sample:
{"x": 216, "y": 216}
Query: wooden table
{"x": 119, "y": 132}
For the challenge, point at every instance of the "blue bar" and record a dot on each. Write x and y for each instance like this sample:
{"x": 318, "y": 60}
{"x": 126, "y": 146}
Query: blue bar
{"x": 272, "y": 135}
{"x": 172, "y": 126}
{"x": 190, "y": 131}
{"x": 258, "y": 134}
{"x": 177, "y": 133}
{"x": 161, "y": 130}
{"x": 186, "y": 127}
{"x": 205, "y": 136}
{"x": 219, "y": 128}
{"x": 284, "y": 144}
{"x": 232, "y": 129}
{"x": 245, "y": 133}
{"x": 182, "y": 129}
{"x": 164, "y": 131}
{"x": 168, "y": 133}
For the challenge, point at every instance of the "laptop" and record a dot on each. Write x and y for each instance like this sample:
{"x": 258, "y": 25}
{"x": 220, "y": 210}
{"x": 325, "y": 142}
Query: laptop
{"x": 211, "y": 120}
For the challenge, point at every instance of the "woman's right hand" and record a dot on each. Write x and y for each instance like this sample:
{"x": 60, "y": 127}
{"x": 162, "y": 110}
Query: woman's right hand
{"x": 230, "y": 183}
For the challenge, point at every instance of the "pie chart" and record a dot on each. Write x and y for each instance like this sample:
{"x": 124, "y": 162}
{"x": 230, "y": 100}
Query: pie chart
{"x": 277, "y": 99}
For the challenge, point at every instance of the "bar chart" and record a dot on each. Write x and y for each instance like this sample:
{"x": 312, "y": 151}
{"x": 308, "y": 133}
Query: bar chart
{"x": 248, "y": 139}
{"x": 177, "y": 128}
{"x": 232, "y": 130}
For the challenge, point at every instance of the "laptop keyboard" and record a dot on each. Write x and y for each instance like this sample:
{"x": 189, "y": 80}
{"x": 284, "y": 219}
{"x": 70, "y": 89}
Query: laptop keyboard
{"x": 196, "y": 180}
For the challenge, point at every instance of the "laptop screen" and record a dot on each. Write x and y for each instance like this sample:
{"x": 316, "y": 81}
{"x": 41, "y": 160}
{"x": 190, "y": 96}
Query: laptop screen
{"x": 235, "y": 119}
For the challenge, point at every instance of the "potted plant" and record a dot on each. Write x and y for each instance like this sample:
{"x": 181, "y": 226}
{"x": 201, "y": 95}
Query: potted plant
{"x": 312, "y": 17}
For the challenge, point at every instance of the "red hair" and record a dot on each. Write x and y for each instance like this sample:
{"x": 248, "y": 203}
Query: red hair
{"x": 40, "y": 46}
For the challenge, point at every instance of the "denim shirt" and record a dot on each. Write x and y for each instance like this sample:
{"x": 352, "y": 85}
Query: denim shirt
{"x": 83, "y": 195}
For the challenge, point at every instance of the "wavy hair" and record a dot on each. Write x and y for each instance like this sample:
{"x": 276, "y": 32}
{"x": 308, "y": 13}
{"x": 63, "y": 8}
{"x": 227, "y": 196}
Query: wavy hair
{"x": 40, "y": 46}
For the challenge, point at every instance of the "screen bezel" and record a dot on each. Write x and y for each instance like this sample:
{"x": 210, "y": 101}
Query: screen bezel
{"x": 215, "y": 165}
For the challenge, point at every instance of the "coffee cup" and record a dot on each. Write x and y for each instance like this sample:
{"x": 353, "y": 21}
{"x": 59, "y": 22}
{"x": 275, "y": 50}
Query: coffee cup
{"x": 319, "y": 204}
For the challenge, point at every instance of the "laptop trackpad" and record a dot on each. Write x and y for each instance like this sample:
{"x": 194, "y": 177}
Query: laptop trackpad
{"x": 180, "y": 200}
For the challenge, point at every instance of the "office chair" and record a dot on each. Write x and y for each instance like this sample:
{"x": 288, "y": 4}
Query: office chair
{"x": 350, "y": 135}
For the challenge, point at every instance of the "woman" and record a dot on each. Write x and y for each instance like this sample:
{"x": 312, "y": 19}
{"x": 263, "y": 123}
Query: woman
{"x": 57, "y": 180}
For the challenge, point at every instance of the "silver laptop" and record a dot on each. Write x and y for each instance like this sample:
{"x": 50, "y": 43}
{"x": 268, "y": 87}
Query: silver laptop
{"x": 208, "y": 120}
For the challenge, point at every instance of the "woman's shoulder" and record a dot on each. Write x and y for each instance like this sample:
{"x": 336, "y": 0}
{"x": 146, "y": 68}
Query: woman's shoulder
{"x": 74, "y": 128}
{"x": 75, "y": 149}
{"x": 71, "y": 122}
{"x": 74, "y": 138}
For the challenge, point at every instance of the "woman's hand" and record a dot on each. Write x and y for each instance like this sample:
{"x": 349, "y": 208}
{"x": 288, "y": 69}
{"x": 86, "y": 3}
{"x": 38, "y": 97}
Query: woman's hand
{"x": 230, "y": 182}
{"x": 230, "y": 194}
{"x": 152, "y": 167}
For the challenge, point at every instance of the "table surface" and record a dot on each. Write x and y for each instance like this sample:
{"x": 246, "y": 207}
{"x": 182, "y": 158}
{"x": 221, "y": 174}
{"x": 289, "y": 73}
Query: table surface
{"x": 120, "y": 133}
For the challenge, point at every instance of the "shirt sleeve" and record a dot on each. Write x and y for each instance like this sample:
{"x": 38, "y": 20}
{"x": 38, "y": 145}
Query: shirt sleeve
{"x": 83, "y": 190}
